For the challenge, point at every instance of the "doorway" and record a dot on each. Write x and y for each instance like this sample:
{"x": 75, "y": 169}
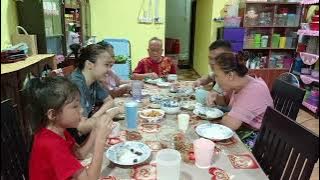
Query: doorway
{"x": 180, "y": 26}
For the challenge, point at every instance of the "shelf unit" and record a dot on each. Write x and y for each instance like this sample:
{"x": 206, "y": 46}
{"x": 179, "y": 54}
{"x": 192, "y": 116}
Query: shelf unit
{"x": 309, "y": 59}
{"x": 271, "y": 26}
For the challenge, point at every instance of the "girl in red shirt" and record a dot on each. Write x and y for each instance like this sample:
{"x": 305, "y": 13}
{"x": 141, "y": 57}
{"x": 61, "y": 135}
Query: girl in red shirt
{"x": 56, "y": 106}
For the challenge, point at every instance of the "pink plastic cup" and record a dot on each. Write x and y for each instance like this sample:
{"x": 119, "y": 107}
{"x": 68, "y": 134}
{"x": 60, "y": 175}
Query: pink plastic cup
{"x": 203, "y": 152}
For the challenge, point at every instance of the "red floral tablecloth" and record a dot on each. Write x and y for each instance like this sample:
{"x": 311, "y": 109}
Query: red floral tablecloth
{"x": 232, "y": 160}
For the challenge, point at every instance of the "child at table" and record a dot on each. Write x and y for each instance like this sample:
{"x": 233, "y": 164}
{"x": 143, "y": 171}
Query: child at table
{"x": 56, "y": 106}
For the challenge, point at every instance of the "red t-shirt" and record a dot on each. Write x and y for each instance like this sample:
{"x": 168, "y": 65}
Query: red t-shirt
{"x": 163, "y": 68}
{"x": 52, "y": 157}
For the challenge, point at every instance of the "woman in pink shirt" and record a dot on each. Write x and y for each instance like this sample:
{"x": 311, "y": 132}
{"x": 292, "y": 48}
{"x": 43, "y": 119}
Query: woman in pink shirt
{"x": 249, "y": 96}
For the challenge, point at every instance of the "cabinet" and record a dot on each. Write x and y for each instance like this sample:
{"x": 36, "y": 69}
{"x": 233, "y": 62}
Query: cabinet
{"x": 13, "y": 76}
{"x": 268, "y": 75}
{"x": 270, "y": 36}
{"x": 46, "y": 19}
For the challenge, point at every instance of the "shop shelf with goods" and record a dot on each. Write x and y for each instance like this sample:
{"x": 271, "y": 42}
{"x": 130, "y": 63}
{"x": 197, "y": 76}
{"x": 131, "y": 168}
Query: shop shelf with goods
{"x": 48, "y": 22}
{"x": 306, "y": 65}
{"x": 270, "y": 36}
{"x": 76, "y": 24}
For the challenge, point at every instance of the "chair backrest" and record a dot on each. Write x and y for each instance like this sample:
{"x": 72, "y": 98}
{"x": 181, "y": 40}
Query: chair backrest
{"x": 289, "y": 78}
{"x": 284, "y": 148}
{"x": 122, "y": 47}
{"x": 287, "y": 98}
{"x": 14, "y": 150}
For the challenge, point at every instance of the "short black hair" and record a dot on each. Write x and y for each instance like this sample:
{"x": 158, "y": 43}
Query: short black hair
{"x": 220, "y": 44}
{"x": 105, "y": 44}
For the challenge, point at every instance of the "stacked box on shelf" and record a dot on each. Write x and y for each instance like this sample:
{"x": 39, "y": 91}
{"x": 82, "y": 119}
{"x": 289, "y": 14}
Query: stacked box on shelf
{"x": 235, "y": 36}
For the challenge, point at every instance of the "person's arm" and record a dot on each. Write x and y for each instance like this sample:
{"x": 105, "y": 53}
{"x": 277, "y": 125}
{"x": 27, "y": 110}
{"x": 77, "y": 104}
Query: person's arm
{"x": 204, "y": 80}
{"x": 117, "y": 92}
{"x": 86, "y": 125}
{"x": 231, "y": 122}
{"x": 214, "y": 98}
{"x": 104, "y": 128}
{"x": 136, "y": 76}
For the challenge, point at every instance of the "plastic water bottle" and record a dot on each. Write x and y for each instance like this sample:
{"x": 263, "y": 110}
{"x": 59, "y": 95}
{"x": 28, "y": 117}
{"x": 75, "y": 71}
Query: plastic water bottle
{"x": 136, "y": 90}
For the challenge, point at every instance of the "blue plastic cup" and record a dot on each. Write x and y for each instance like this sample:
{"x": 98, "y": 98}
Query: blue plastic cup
{"x": 131, "y": 110}
{"x": 201, "y": 96}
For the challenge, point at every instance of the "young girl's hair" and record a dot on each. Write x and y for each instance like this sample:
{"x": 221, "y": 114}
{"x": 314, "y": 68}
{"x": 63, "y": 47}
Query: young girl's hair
{"x": 43, "y": 94}
{"x": 229, "y": 62}
{"x": 90, "y": 53}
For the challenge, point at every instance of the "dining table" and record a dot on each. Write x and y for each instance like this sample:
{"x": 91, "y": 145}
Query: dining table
{"x": 231, "y": 160}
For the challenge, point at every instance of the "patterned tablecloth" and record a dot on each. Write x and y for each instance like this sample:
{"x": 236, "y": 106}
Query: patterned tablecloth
{"x": 232, "y": 160}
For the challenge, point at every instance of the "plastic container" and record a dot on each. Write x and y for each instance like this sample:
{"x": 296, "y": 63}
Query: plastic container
{"x": 232, "y": 21}
{"x": 291, "y": 19}
{"x": 314, "y": 26}
{"x": 131, "y": 111}
{"x": 264, "y": 41}
{"x": 289, "y": 42}
{"x": 137, "y": 90}
{"x": 168, "y": 164}
{"x": 282, "y": 42}
{"x": 275, "y": 40}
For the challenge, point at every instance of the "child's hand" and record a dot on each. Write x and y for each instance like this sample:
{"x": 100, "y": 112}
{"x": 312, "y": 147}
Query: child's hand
{"x": 103, "y": 126}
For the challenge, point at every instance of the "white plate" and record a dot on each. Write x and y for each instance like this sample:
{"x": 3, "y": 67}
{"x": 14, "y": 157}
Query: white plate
{"x": 121, "y": 153}
{"x": 214, "y": 131}
{"x": 163, "y": 84}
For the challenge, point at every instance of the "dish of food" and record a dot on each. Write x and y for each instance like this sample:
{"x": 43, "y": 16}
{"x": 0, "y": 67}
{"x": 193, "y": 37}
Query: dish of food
{"x": 128, "y": 153}
{"x": 152, "y": 115}
{"x": 207, "y": 112}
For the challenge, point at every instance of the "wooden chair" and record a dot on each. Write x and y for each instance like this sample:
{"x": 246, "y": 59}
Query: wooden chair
{"x": 284, "y": 147}
{"x": 14, "y": 149}
{"x": 287, "y": 98}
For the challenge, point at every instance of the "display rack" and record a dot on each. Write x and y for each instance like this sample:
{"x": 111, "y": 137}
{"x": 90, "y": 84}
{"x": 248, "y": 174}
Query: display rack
{"x": 309, "y": 60}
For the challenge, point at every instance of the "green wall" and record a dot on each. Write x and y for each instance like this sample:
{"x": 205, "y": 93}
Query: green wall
{"x": 119, "y": 19}
{"x": 206, "y": 31}
{"x": 8, "y": 21}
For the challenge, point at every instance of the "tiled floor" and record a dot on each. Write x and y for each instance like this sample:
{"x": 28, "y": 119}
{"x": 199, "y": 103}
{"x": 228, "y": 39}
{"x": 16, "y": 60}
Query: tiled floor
{"x": 306, "y": 119}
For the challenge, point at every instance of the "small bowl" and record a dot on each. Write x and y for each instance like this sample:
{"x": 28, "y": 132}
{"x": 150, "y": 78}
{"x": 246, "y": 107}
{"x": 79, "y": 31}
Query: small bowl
{"x": 149, "y": 119}
{"x": 171, "y": 110}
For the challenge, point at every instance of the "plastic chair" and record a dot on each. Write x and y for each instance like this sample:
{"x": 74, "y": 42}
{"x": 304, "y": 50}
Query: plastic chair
{"x": 289, "y": 78}
{"x": 284, "y": 148}
{"x": 122, "y": 47}
{"x": 287, "y": 98}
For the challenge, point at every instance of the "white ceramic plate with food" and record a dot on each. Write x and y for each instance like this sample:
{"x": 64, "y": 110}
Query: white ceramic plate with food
{"x": 215, "y": 132}
{"x": 208, "y": 113}
{"x": 128, "y": 153}
{"x": 152, "y": 115}
{"x": 188, "y": 105}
